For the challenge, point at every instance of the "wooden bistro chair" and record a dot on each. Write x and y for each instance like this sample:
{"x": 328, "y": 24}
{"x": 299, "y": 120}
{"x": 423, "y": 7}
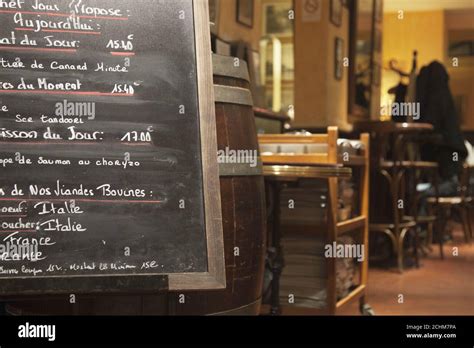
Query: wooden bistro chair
{"x": 318, "y": 150}
{"x": 462, "y": 203}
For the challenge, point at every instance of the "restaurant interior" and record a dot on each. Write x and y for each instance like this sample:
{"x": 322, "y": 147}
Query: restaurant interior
{"x": 345, "y": 133}
{"x": 364, "y": 112}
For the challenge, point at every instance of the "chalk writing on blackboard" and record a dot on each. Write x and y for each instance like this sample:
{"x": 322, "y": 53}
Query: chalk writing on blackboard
{"x": 95, "y": 154}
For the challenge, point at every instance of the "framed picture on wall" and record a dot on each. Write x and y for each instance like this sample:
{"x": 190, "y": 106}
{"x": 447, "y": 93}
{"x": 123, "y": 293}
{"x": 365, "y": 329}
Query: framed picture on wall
{"x": 339, "y": 58}
{"x": 256, "y": 86}
{"x": 245, "y": 12}
{"x": 335, "y": 12}
{"x": 275, "y": 19}
{"x": 214, "y": 15}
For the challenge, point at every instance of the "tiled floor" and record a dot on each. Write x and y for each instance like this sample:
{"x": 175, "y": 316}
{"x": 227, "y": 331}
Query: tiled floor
{"x": 438, "y": 287}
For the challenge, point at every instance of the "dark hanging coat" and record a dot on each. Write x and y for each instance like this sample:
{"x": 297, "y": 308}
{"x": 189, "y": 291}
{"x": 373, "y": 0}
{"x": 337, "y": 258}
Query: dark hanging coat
{"x": 400, "y": 92}
{"x": 437, "y": 107}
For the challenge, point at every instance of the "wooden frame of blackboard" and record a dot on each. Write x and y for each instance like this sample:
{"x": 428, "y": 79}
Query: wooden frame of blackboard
{"x": 214, "y": 278}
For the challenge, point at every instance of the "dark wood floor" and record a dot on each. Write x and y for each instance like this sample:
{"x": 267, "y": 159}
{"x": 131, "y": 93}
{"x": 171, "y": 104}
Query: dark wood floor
{"x": 439, "y": 287}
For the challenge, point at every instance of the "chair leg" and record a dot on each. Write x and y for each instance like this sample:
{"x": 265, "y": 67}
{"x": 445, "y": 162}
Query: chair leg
{"x": 466, "y": 226}
{"x": 400, "y": 258}
{"x": 398, "y": 248}
{"x": 440, "y": 233}
{"x": 400, "y": 239}
{"x": 469, "y": 222}
{"x": 441, "y": 237}
{"x": 416, "y": 243}
{"x": 429, "y": 236}
{"x": 441, "y": 251}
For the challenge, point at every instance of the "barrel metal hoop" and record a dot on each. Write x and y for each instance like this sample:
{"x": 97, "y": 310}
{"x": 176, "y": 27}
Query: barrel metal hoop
{"x": 233, "y": 95}
{"x": 240, "y": 169}
{"x": 225, "y": 66}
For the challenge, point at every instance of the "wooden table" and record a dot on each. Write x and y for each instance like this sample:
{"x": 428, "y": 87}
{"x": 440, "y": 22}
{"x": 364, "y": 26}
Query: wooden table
{"x": 390, "y": 146}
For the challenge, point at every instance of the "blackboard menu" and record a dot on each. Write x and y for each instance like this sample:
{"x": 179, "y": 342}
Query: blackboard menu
{"x": 102, "y": 171}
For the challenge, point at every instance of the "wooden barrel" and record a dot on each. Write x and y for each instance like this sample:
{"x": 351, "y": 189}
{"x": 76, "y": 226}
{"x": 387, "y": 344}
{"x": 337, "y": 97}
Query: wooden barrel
{"x": 244, "y": 222}
{"x": 243, "y": 199}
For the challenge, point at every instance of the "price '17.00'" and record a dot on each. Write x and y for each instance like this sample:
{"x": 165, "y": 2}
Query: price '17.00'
{"x": 137, "y": 137}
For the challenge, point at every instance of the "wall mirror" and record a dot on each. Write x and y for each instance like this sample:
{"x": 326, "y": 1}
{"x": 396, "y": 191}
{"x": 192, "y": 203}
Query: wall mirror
{"x": 361, "y": 34}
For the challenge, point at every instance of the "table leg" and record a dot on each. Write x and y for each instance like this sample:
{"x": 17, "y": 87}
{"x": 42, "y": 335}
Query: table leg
{"x": 414, "y": 206}
{"x": 277, "y": 262}
{"x": 396, "y": 177}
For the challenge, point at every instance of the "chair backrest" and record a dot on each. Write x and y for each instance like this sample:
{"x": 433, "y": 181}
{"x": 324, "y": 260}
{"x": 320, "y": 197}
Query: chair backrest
{"x": 299, "y": 149}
